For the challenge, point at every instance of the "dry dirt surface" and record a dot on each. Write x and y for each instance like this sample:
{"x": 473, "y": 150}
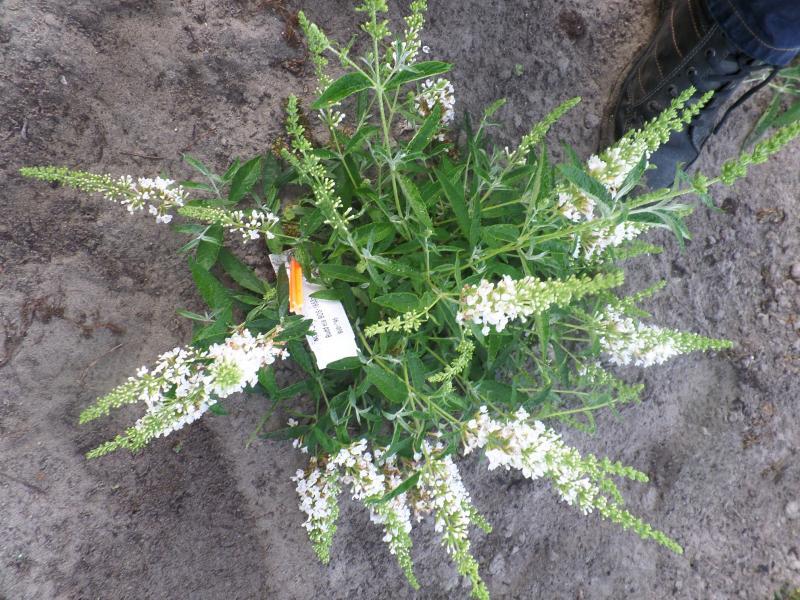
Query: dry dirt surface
{"x": 87, "y": 295}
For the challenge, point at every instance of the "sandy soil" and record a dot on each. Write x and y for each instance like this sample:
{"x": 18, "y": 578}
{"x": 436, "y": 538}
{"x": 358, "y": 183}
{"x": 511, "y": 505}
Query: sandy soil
{"x": 87, "y": 295}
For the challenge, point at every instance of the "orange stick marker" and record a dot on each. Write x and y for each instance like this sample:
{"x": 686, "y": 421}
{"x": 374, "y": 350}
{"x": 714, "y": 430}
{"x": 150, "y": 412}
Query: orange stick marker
{"x": 295, "y": 287}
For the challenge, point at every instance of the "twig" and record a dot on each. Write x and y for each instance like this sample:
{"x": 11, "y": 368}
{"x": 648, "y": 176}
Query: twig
{"x": 96, "y": 360}
{"x": 30, "y": 486}
{"x": 148, "y": 156}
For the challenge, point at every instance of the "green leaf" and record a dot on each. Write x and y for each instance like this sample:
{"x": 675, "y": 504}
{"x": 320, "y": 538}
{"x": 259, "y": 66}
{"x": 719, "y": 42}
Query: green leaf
{"x": 240, "y": 272}
{"x": 217, "y": 409}
{"x": 415, "y": 201}
{"x": 399, "y": 301}
{"x": 196, "y": 185}
{"x": 364, "y": 133}
{"x": 389, "y": 384}
{"x": 416, "y": 369}
{"x": 323, "y": 440}
{"x": 455, "y": 196}
{"x": 293, "y": 328}
{"x": 290, "y": 391}
{"x": 394, "y": 267}
{"x": 585, "y": 182}
{"x": 210, "y": 288}
{"x": 266, "y": 377}
{"x": 201, "y": 168}
{"x": 475, "y": 224}
{"x": 789, "y": 116}
{"x": 405, "y": 486}
{"x": 228, "y": 175}
{"x": 633, "y": 177}
{"x": 496, "y": 236}
{"x": 425, "y": 133}
{"x": 187, "y": 314}
{"x": 344, "y": 364}
{"x": 543, "y": 331}
{"x": 342, "y": 273}
{"x": 248, "y": 299}
{"x": 418, "y": 71}
{"x": 301, "y": 356}
{"x": 342, "y": 88}
{"x": 327, "y": 295}
{"x": 209, "y": 247}
{"x": 373, "y": 232}
{"x": 494, "y": 391}
{"x": 244, "y": 179}
{"x": 216, "y": 331}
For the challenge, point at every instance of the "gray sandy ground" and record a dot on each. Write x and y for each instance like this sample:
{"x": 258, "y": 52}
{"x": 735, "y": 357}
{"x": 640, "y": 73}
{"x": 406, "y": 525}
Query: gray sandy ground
{"x": 87, "y": 295}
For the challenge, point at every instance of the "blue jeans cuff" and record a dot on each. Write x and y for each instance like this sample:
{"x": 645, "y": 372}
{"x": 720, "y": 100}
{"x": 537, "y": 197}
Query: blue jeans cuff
{"x": 746, "y": 36}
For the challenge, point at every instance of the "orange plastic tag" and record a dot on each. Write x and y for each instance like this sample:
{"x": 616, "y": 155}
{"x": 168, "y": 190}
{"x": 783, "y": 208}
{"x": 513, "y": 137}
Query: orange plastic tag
{"x": 295, "y": 287}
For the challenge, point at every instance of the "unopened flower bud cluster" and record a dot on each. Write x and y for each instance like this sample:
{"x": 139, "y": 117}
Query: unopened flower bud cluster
{"x": 311, "y": 171}
{"x": 405, "y": 52}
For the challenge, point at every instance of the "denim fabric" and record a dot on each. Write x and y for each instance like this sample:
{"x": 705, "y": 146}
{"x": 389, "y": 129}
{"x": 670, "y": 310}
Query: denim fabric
{"x": 768, "y": 30}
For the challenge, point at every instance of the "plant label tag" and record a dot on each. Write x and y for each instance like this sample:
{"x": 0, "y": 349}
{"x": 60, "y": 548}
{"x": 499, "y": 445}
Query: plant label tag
{"x": 332, "y": 336}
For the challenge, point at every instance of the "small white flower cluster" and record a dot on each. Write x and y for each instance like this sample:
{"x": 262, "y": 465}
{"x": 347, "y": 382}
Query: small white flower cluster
{"x": 628, "y": 342}
{"x": 252, "y": 224}
{"x": 534, "y": 450}
{"x": 368, "y": 482}
{"x": 611, "y": 169}
{"x": 159, "y": 194}
{"x": 611, "y": 237}
{"x": 337, "y": 117}
{"x": 441, "y": 490}
{"x": 394, "y": 515}
{"x": 614, "y": 165}
{"x": 355, "y": 466}
{"x": 439, "y": 92}
{"x": 574, "y": 204}
{"x": 496, "y": 305}
{"x": 539, "y": 452}
{"x": 318, "y": 488}
{"x": 448, "y": 498}
{"x": 364, "y": 478}
{"x": 198, "y": 379}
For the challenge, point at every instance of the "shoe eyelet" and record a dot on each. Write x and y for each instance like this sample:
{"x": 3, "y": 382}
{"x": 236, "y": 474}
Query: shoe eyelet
{"x": 673, "y": 91}
{"x": 691, "y": 72}
{"x": 710, "y": 53}
{"x": 654, "y": 106}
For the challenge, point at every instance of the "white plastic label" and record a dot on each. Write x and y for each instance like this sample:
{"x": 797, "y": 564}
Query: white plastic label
{"x": 332, "y": 336}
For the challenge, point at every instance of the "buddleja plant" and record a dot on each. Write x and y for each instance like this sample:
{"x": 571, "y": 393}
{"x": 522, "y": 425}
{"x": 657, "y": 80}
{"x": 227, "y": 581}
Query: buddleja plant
{"x": 479, "y": 286}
